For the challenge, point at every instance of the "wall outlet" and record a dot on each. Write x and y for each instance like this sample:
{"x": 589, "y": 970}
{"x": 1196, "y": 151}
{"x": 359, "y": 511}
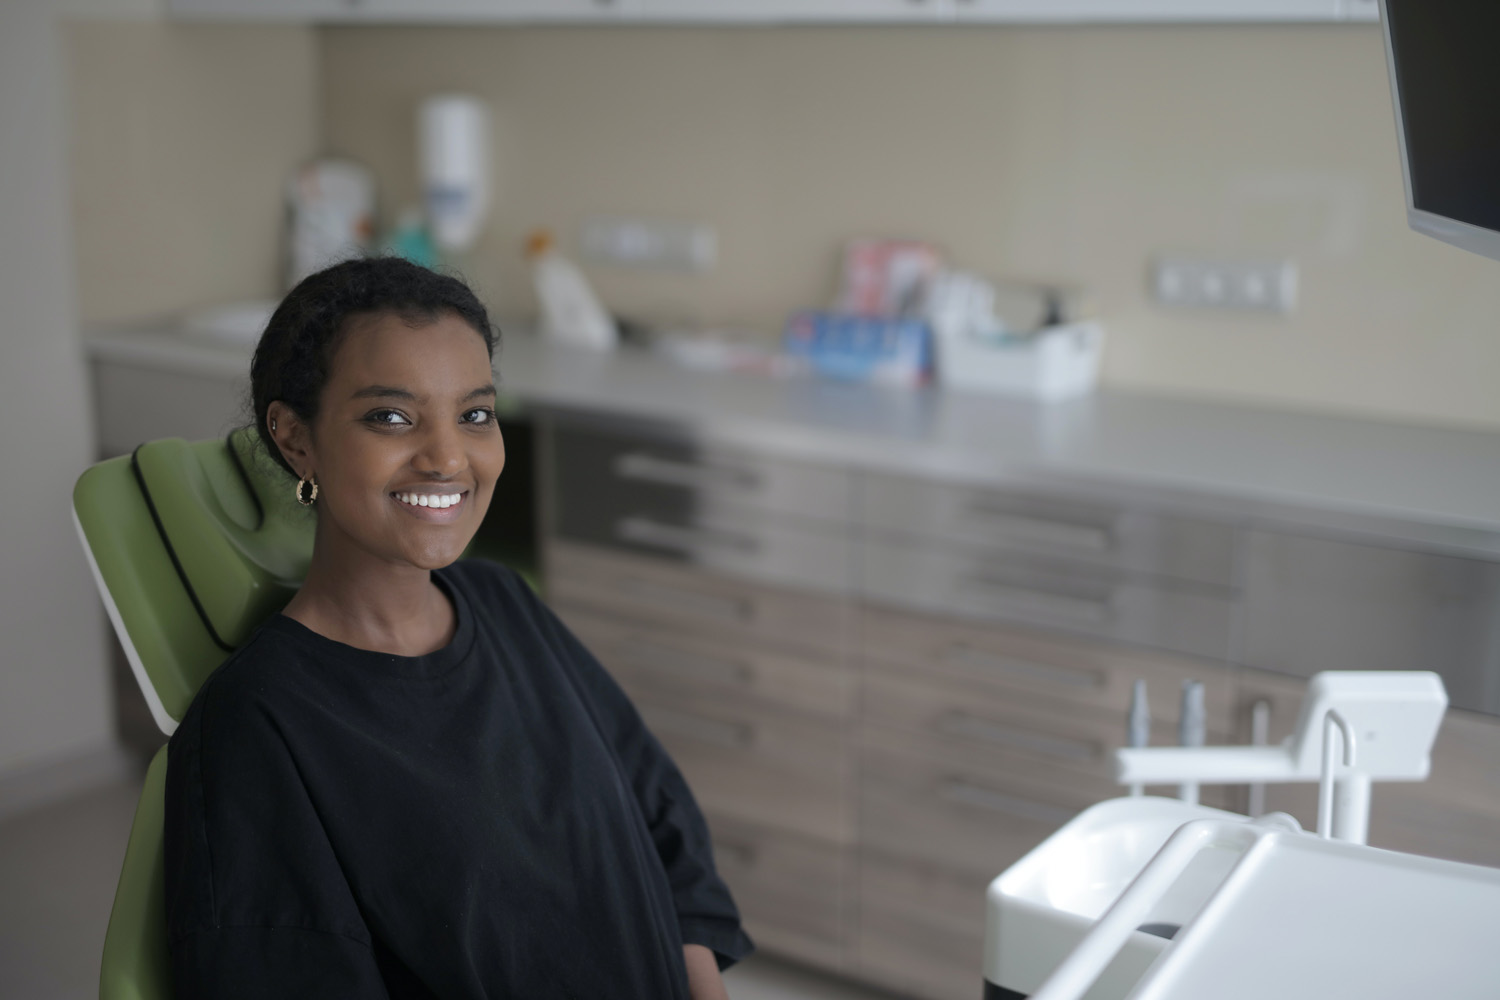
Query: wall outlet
{"x": 682, "y": 246}
{"x": 1258, "y": 285}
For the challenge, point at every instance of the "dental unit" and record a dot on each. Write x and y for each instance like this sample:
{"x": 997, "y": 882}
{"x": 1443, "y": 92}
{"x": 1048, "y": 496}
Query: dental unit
{"x": 1162, "y": 898}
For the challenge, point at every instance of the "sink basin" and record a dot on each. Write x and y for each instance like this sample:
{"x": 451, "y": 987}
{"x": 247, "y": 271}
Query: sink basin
{"x": 1044, "y": 904}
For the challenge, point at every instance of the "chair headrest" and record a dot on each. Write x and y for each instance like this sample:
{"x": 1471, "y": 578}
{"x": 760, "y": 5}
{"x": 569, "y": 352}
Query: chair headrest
{"x": 193, "y": 545}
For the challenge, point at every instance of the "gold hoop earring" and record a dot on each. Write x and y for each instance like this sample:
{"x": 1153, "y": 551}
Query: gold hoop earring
{"x": 307, "y": 481}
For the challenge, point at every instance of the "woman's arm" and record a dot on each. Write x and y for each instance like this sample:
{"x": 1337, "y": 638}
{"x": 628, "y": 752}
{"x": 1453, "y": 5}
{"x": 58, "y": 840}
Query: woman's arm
{"x": 704, "y": 981}
{"x": 706, "y": 913}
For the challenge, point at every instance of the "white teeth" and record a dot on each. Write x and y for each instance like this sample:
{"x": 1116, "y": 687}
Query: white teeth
{"x": 440, "y": 501}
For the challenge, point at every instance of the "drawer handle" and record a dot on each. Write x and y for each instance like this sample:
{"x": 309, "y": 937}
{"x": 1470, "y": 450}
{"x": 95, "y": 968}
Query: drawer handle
{"x": 1018, "y": 598}
{"x": 966, "y": 655}
{"x": 654, "y": 469}
{"x": 730, "y": 735}
{"x": 727, "y": 609}
{"x": 967, "y": 793}
{"x": 1045, "y": 531}
{"x": 692, "y": 541}
{"x": 974, "y": 727}
{"x": 656, "y": 657}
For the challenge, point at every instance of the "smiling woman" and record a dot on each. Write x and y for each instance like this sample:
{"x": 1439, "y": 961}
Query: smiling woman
{"x": 414, "y": 781}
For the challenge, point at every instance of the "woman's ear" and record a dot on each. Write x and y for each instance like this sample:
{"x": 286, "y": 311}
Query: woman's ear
{"x": 292, "y": 436}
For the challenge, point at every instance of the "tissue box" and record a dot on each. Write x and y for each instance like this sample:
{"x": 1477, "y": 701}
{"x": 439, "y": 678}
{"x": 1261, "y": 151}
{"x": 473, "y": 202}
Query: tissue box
{"x": 1059, "y": 362}
{"x": 861, "y": 348}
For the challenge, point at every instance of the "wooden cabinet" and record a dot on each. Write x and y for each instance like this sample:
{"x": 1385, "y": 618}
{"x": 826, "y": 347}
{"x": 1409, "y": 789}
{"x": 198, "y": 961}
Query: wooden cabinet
{"x": 775, "y": 11}
{"x": 976, "y": 742}
{"x": 872, "y": 747}
{"x": 750, "y": 690}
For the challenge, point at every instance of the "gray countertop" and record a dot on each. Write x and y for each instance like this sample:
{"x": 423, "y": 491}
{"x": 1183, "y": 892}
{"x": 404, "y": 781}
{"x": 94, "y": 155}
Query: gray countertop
{"x": 1434, "y": 487}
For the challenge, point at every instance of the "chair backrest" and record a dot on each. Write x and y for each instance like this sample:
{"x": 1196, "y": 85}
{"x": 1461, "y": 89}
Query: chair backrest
{"x": 192, "y": 546}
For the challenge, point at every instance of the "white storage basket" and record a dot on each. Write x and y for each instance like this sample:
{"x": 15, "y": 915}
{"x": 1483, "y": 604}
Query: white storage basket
{"x": 1059, "y": 362}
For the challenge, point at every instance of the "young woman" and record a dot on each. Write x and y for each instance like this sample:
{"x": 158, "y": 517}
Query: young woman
{"x": 414, "y": 781}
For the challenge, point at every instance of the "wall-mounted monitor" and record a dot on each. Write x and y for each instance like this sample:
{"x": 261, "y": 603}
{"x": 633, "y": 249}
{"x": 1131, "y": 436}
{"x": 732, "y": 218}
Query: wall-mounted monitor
{"x": 1444, "y": 61}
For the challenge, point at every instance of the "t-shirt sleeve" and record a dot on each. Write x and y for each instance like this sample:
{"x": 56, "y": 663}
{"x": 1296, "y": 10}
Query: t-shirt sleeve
{"x": 706, "y": 912}
{"x": 257, "y": 905}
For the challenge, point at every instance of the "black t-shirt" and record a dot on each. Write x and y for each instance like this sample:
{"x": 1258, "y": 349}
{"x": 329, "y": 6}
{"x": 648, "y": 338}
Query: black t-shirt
{"x": 490, "y": 820}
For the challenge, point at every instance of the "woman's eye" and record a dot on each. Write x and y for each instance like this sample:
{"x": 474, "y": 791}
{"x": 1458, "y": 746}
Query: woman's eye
{"x": 388, "y": 418}
{"x": 480, "y": 415}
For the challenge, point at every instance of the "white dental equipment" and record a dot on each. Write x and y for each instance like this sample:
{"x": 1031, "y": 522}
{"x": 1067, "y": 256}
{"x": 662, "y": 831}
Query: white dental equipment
{"x": 1384, "y": 721}
{"x": 1247, "y": 905}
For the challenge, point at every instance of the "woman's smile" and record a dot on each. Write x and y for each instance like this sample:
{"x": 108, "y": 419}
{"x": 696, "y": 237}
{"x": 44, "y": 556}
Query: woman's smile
{"x": 435, "y": 508}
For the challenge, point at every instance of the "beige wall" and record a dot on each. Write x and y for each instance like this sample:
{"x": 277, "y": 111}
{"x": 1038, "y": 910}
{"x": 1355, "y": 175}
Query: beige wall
{"x": 1068, "y": 154}
{"x": 181, "y": 137}
{"x": 54, "y": 693}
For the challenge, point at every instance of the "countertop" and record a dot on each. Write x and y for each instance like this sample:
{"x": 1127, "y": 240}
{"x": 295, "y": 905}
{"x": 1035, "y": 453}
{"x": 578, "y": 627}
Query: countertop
{"x": 1428, "y": 486}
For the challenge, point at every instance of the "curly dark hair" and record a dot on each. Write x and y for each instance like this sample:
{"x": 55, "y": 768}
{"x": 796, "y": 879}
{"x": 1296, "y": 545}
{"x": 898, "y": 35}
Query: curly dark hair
{"x": 291, "y": 361}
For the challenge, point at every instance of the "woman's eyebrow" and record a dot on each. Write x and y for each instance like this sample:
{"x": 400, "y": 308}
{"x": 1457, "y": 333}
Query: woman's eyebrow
{"x": 383, "y": 391}
{"x": 392, "y": 392}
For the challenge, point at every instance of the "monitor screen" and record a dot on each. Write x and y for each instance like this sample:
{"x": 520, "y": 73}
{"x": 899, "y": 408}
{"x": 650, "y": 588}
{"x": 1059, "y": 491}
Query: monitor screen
{"x": 1444, "y": 60}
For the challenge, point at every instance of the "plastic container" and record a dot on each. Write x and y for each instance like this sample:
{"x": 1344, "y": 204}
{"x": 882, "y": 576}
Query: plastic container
{"x": 571, "y": 314}
{"x": 1057, "y": 362}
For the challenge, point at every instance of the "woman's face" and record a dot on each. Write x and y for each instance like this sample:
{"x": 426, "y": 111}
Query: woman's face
{"x": 407, "y": 417}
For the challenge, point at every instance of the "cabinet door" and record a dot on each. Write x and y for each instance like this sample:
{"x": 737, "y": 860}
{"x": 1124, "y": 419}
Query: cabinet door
{"x": 790, "y": 11}
{"x": 1147, "y": 10}
{"x": 1319, "y": 604}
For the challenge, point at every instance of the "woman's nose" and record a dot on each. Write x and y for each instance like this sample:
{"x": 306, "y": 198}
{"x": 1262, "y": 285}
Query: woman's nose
{"x": 441, "y": 453}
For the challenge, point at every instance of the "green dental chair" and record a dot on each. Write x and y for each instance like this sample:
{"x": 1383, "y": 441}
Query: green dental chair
{"x": 192, "y": 546}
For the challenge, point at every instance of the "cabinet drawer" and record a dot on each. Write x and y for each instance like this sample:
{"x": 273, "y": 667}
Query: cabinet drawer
{"x": 1317, "y": 604}
{"x": 1086, "y": 531}
{"x": 651, "y": 591}
{"x": 744, "y": 542}
{"x": 792, "y": 891}
{"x": 1455, "y": 813}
{"x": 921, "y": 928}
{"x": 1087, "y": 676}
{"x": 1020, "y": 732}
{"x": 653, "y": 661}
{"x": 919, "y": 803}
{"x": 756, "y": 766}
{"x": 1028, "y": 591}
{"x": 597, "y": 473}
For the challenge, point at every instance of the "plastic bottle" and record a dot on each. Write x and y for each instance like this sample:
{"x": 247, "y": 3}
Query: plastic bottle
{"x": 571, "y": 314}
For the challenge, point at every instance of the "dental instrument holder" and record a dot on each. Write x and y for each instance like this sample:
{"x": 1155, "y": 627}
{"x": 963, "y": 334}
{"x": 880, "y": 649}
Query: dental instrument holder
{"x": 1191, "y": 728}
{"x": 1138, "y": 725}
{"x": 1384, "y": 722}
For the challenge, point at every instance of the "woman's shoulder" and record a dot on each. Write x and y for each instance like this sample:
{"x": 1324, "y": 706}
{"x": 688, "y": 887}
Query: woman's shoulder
{"x": 239, "y": 695}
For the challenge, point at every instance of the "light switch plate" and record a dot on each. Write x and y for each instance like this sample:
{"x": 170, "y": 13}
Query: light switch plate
{"x": 1216, "y": 283}
{"x": 654, "y": 243}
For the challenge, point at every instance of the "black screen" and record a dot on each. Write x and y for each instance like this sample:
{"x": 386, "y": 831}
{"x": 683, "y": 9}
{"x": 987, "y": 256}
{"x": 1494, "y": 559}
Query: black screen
{"x": 1447, "y": 61}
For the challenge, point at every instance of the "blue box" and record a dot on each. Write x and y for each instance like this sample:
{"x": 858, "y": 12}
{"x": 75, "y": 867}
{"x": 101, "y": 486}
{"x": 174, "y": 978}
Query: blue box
{"x": 861, "y": 348}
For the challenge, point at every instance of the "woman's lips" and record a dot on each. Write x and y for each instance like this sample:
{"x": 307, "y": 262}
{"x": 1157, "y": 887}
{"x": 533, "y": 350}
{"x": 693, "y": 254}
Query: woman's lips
{"x": 434, "y": 515}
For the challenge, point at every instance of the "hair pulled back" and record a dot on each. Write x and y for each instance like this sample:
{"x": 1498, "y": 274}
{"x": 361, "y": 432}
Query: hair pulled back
{"x": 292, "y": 360}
